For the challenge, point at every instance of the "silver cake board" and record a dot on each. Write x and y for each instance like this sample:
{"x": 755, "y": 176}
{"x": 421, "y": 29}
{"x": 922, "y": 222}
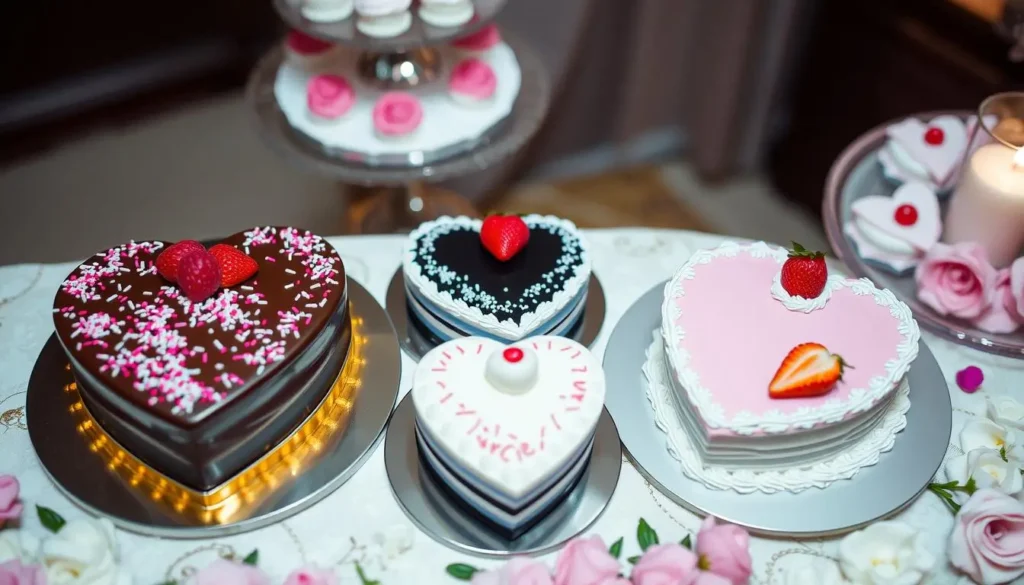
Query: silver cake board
{"x": 83, "y": 476}
{"x": 416, "y": 344}
{"x": 876, "y": 492}
{"x": 445, "y": 521}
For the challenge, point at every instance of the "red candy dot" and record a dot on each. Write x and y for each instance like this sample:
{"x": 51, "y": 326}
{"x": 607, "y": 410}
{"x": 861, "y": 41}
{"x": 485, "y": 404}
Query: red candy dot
{"x": 934, "y": 136}
{"x": 906, "y": 214}
{"x": 513, "y": 354}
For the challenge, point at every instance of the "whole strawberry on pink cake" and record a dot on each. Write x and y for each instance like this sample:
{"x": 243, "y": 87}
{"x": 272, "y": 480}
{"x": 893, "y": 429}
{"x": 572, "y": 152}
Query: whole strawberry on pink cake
{"x": 773, "y": 363}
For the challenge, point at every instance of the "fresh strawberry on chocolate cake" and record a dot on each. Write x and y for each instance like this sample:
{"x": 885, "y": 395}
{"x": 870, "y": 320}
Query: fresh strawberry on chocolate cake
{"x": 199, "y": 361}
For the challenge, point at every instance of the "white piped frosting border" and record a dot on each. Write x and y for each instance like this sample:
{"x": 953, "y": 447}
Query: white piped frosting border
{"x": 776, "y": 421}
{"x": 865, "y": 452}
{"x": 507, "y": 329}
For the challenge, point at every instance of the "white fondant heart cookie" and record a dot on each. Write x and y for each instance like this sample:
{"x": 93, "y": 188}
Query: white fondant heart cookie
{"x": 896, "y": 231}
{"x": 937, "y": 147}
{"x": 510, "y": 418}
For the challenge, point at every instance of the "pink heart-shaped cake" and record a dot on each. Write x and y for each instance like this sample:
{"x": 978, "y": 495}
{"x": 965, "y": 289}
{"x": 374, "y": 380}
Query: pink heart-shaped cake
{"x": 508, "y": 430}
{"x": 199, "y": 390}
{"x": 727, "y": 329}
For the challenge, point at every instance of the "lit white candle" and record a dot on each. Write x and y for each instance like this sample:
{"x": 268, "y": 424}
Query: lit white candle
{"x": 988, "y": 204}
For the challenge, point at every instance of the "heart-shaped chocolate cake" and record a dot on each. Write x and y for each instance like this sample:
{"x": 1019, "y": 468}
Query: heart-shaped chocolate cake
{"x": 504, "y": 277}
{"x": 200, "y": 361}
{"x": 507, "y": 430}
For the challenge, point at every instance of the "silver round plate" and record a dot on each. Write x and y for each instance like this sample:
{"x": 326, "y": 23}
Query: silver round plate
{"x": 419, "y": 34}
{"x": 83, "y": 477}
{"x": 417, "y": 345}
{"x": 875, "y": 492}
{"x": 498, "y": 144}
{"x": 857, "y": 173}
{"x": 448, "y": 524}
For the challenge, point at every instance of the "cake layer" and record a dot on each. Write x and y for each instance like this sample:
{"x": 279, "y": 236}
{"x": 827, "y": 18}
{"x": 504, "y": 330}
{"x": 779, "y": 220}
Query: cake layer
{"x": 564, "y": 324}
{"x": 199, "y": 390}
{"x": 797, "y": 449}
{"x": 509, "y": 521}
{"x": 727, "y": 330}
{"x": 453, "y": 276}
{"x": 207, "y": 455}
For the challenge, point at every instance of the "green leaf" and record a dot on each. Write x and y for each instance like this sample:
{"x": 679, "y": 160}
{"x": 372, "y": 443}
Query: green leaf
{"x": 171, "y": 582}
{"x": 633, "y": 560}
{"x": 461, "y": 571}
{"x": 971, "y": 487}
{"x": 940, "y": 490}
{"x": 51, "y": 520}
{"x": 363, "y": 578}
{"x": 1002, "y": 453}
{"x": 687, "y": 542}
{"x": 645, "y": 535}
{"x": 252, "y": 558}
{"x": 616, "y": 548}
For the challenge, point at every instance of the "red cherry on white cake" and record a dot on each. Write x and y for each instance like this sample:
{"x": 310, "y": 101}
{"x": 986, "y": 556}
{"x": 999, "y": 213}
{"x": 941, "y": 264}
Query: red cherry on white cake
{"x": 934, "y": 136}
{"x": 906, "y": 215}
{"x": 512, "y": 370}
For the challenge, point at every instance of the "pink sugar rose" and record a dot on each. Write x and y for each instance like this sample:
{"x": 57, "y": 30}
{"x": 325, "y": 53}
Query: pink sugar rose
{"x": 15, "y": 573}
{"x": 987, "y": 542}
{"x": 666, "y": 564}
{"x": 518, "y": 571}
{"x": 999, "y": 317}
{"x": 312, "y": 576}
{"x": 10, "y": 507}
{"x": 956, "y": 280}
{"x": 225, "y": 572}
{"x": 724, "y": 549}
{"x": 585, "y": 561}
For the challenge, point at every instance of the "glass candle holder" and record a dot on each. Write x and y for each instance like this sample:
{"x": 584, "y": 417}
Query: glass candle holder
{"x": 987, "y": 206}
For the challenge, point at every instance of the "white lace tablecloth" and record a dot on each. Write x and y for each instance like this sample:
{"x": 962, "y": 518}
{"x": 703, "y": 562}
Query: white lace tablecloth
{"x": 361, "y": 522}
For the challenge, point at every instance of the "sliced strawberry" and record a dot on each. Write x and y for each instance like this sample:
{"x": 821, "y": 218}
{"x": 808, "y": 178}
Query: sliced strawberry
{"x": 504, "y": 236}
{"x": 168, "y": 260}
{"x": 235, "y": 266}
{"x": 808, "y": 370}
{"x": 804, "y": 273}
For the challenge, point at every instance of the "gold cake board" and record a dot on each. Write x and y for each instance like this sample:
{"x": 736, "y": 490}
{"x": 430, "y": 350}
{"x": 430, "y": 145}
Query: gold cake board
{"x": 94, "y": 471}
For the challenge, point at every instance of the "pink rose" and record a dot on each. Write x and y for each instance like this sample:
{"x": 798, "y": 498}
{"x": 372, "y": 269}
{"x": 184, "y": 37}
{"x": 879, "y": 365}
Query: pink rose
{"x": 585, "y": 561}
{"x": 225, "y": 572}
{"x": 616, "y": 581}
{"x": 706, "y": 578}
{"x": 1013, "y": 297}
{"x": 724, "y": 550}
{"x": 15, "y": 573}
{"x": 999, "y": 317}
{"x": 987, "y": 542}
{"x": 956, "y": 280}
{"x": 518, "y": 571}
{"x": 10, "y": 507}
{"x": 312, "y": 576}
{"x": 666, "y": 564}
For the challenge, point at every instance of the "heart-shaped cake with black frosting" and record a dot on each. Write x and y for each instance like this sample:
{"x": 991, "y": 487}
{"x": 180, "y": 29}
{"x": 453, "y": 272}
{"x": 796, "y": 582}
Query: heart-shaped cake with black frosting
{"x": 504, "y": 278}
{"x": 200, "y": 361}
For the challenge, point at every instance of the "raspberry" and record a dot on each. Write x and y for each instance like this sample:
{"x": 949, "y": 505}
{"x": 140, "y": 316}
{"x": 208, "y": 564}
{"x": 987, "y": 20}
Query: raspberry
{"x": 199, "y": 275}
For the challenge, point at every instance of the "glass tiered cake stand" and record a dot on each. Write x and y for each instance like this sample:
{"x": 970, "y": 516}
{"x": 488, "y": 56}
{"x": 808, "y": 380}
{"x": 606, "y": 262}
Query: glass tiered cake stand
{"x": 402, "y": 186}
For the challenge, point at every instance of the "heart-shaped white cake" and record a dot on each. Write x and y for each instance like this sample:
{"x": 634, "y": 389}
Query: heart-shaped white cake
{"x": 507, "y": 430}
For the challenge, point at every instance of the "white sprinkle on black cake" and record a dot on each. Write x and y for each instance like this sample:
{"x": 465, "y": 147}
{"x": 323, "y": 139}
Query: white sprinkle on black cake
{"x": 457, "y": 286}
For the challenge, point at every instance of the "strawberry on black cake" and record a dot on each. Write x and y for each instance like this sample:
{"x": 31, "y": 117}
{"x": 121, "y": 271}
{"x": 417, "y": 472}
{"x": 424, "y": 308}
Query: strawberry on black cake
{"x": 504, "y": 277}
{"x": 198, "y": 361}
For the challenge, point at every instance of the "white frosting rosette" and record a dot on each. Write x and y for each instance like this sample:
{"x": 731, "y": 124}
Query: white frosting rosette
{"x": 83, "y": 552}
{"x": 885, "y": 553}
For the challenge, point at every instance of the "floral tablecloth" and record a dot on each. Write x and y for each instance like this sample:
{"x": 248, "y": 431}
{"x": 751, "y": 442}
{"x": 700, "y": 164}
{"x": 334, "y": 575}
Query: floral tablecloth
{"x": 361, "y": 524}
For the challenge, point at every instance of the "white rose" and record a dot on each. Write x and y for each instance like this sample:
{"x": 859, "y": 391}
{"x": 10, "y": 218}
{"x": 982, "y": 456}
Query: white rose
{"x": 812, "y": 571}
{"x": 1006, "y": 411}
{"x": 981, "y": 433}
{"x": 84, "y": 552}
{"x": 17, "y": 544}
{"x": 885, "y": 553}
{"x": 988, "y": 469}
